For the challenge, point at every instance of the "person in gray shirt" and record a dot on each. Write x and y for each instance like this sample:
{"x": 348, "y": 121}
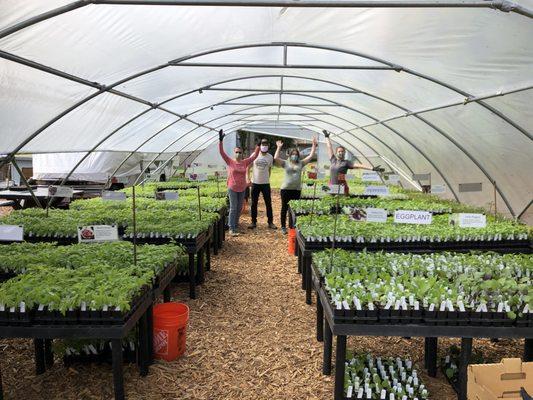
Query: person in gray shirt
{"x": 340, "y": 166}
{"x": 291, "y": 188}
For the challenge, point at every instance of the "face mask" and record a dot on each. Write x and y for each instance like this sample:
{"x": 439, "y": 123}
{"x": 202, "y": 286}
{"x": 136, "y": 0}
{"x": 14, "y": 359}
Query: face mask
{"x": 294, "y": 157}
{"x": 340, "y": 156}
{"x": 238, "y": 156}
{"x": 264, "y": 148}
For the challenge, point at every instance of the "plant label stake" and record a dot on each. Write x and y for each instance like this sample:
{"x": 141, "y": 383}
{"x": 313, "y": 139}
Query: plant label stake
{"x": 335, "y": 225}
{"x": 134, "y": 227}
{"x": 313, "y": 204}
{"x": 199, "y": 203}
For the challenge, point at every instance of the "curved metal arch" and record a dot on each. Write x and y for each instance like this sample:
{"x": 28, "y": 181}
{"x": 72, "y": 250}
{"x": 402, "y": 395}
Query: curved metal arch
{"x": 103, "y": 89}
{"x": 111, "y": 87}
{"x": 371, "y": 117}
{"x": 218, "y": 127}
{"x": 207, "y": 141}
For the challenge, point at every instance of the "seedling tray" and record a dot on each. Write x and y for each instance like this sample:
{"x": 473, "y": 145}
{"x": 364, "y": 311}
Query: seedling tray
{"x": 192, "y": 244}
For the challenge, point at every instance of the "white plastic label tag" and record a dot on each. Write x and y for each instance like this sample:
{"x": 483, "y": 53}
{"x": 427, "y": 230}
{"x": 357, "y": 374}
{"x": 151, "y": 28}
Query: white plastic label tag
{"x": 97, "y": 233}
{"x": 11, "y": 233}
{"x": 412, "y": 217}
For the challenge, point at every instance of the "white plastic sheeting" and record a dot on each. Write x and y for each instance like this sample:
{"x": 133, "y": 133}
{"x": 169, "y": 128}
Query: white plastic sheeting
{"x": 97, "y": 167}
{"x": 399, "y": 88}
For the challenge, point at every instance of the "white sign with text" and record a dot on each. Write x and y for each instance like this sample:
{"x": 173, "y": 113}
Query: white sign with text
{"x": 11, "y": 233}
{"x": 394, "y": 179}
{"x": 167, "y": 196}
{"x": 376, "y": 215}
{"x": 370, "y": 176}
{"x": 60, "y": 191}
{"x": 197, "y": 177}
{"x": 336, "y": 189}
{"x": 438, "y": 189}
{"x": 97, "y": 233}
{"x": 376, "y": 191}
{"x": 113, "y": 196}
{"x": 412, "y": 217}
{"x": 470, "y": 220}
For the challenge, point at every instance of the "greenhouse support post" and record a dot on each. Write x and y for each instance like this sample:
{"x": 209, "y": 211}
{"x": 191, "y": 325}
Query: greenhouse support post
{"x": 313, "y": 204}
{"x": 495, "y": 193}
{"x": 134, "y": 213}
{"x": 199, "y": 203}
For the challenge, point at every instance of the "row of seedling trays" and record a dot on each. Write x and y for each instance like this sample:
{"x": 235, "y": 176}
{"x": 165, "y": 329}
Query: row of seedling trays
{"x": 398, "y": 313}
{"x": 379, "y": 378}
{"x": 82, "y": 315}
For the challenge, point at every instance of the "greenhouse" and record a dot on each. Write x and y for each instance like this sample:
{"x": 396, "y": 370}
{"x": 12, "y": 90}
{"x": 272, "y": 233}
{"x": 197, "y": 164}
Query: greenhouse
{"x": 295, "y": 199}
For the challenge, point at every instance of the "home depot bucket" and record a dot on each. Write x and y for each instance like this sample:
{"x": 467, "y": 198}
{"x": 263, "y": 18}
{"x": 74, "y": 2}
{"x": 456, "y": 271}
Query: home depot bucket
{"x": 170, "y": 328}
{"x": 292, "y": 241}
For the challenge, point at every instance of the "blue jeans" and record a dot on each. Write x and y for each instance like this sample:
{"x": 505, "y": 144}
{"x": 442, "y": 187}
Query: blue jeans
{"x": 236, "y": 200}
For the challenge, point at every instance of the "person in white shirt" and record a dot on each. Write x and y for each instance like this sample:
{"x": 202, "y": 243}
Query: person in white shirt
{"x": 261, "y": 170}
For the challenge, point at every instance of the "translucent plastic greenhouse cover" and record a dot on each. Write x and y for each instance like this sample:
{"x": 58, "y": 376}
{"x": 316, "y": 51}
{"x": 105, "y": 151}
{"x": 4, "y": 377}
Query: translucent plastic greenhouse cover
{"x": 430, "y": 87}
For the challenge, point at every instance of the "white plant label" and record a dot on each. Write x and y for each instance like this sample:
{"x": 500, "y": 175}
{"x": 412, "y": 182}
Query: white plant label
{"x": 394, "y": 179}
{"x": 412, "y": 217}
{"x": 468, "y": 220}
{"x": 376, "y": 190}
{"x": 97, "y": 233}
{"x": 336, "y": 189}
{"x": 370, "y": 176}
{"x": 60, "y": 191}
{"x": 438, "y": 189}
{"x": 11, "y": 233}
{"x": 197, "y": 177}
{"x": 167, "y": 196}
{"x": 376, "y": 215}
{"x": 113, "y": 196}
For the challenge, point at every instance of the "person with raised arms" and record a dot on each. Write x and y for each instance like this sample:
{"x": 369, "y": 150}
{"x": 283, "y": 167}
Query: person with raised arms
{"x": 340, "y": 166}
{"x": 237, "y": 170}
{"x": 291, "y": 188}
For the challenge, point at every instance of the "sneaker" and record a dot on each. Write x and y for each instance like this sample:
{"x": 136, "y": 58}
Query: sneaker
{"x": 234, "y": 233}
{"x": 272, "y": 226}
{"x": 253, "y": 225}
{"x": 283, "y": 230}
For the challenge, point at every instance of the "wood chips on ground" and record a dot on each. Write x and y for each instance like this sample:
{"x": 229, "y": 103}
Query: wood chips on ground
{"x": 250, "y": 336}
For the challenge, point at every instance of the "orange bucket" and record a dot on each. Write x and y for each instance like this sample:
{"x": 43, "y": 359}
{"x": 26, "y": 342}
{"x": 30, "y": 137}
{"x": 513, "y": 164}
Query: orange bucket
{"x": 170, "y": 329}
{"x": 292, "y": 241}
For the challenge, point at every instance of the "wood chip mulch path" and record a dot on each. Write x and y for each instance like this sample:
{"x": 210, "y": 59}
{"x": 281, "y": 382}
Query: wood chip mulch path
{"x": 250, "y": 336}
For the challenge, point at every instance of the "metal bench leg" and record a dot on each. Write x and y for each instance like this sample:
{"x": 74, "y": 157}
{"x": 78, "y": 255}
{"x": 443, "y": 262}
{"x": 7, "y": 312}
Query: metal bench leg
{"x": 192, "y": 277}
{"x": 40, "y": 367}
{"x": 319, "y": 319}
{"x": 118, "y": 375}
{"x": 328, "y": 345}
{"x": 340, "y": 359}
{"x": 464, "y": 360}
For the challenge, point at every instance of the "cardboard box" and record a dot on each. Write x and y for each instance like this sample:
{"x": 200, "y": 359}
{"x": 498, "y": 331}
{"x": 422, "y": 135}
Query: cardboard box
{"x": 500, "y": 381}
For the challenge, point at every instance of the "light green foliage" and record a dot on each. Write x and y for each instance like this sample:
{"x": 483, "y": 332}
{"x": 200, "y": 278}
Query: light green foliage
{"x": 473, "y": 279}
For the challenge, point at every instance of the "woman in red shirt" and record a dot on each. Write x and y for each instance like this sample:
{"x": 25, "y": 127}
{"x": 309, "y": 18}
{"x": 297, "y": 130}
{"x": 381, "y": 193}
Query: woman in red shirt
{"x": 237, "y": 184}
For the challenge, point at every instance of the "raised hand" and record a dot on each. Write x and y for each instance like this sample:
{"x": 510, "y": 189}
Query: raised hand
{"x": 326, "y": 133}
{"x": 315, "y": 141}
{"x": 221, "y": 135}
{"x": 279, "y": 143}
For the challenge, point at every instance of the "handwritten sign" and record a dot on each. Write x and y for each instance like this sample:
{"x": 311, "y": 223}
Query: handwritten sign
{"x": 97, "y": 233}
{"x": 60, "y": 191}
{"x": 376, "y": 215}
{"x": 422, "y": 177}
{"x": 167, "y": 195}
{"x": 336, "y": 189}
{"x": 469, "y": 220}
{"x": 393, "y": 179}
{"x": 108, "y": 195}
{"x": 197, "y": 177}
{"x": 11, "y": 233}
{"x": 470, "y": 187}
{"x": 438, "y": 189}
{"x": 370, "y": 176}
{"x": 376, "y": 191}
{"x": 412, "y": 217}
